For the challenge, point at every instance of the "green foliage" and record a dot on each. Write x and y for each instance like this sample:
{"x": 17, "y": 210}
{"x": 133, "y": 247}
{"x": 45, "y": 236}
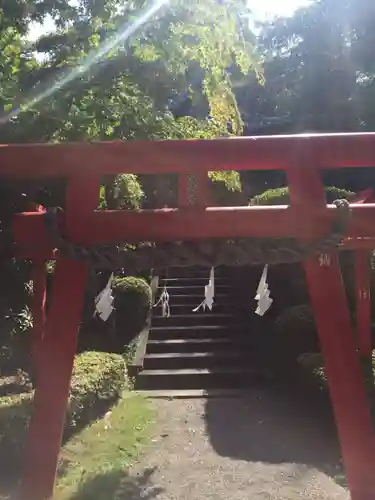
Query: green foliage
{"x": 132, "y": 304}
{"x": 128, "y": 190}
{"x": 318, "y": 69}
{"x": 280, "y": 196}
{"x": 88, "y": 86}
{"x": 98, "y": 379}
{"x": 121, "y": 192}
{"x": 15, "y": 332}
{"x": 226, "y": 188}
{"x": 231, "y": 180}
{"x": 15, "y": 316}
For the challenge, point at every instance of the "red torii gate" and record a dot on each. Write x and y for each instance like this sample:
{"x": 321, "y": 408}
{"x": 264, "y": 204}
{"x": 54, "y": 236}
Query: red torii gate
{"x": 308, "y": 217}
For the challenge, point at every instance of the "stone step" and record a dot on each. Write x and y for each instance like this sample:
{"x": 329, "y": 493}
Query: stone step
{"x": 195, "y": 299}
{"x": 195, "y": 393}
{"x": 203, "y": 378}
{"x": 183, "y": 272}
{"x": 197, "y": 344}
{"x": 192, "y": 331}
{"x": 200, "y": 351}
{"x": 187, "y": 309}
{"x": 192, "y": 290}
{"x": 200, "y": 281}
{"x": 195, "y": 360}
{"x": 193, "y": 319}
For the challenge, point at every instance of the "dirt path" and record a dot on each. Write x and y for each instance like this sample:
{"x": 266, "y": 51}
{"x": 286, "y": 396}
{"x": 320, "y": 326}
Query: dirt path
{"x": 259, "y": 447}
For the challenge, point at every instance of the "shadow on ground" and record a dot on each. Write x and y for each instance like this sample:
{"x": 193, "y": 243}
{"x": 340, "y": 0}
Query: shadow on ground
{"x": 118, "y": 485}
{"x": 276, "y": 424}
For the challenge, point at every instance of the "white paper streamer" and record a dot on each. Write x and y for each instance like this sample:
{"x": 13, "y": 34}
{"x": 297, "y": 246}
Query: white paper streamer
{"x": 104, "y": 301}
{"x": 263, "y": 294}
{"x": 209, "y": 293}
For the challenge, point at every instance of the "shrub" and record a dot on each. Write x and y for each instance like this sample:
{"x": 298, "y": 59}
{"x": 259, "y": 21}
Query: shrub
{"x": 15, "y": 341}
{"x": 280, "y": 196}
{"x": 98, "y": 379}
{"x": 132, "y": 304}
{"x": 15, "y": 412}
{"x": 297, "y": 331}
{"x": 312, "y": 365}
{"x": 15, "y": 315}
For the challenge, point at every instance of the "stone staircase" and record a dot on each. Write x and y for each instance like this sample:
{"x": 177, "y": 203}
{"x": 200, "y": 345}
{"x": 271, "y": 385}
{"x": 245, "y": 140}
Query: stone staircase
{"x": 192, "y": 353}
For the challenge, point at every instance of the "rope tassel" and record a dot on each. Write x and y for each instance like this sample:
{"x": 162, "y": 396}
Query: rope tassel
{"x": 209, "y": 293}
{"x": 164, "y": 301}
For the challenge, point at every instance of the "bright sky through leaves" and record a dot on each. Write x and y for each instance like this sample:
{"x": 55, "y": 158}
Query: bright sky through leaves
{"x": 267, "y": 9}
{"x": 262, "y": 10}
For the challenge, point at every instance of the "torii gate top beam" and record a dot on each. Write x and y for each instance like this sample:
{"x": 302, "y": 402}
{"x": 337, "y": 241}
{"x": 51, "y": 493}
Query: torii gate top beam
{"x": 187, "y": 156}
{"x": 299, "y": 155}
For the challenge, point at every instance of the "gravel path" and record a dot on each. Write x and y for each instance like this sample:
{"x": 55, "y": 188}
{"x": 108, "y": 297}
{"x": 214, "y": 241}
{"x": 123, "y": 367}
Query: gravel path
{"x": 264, "y": 446}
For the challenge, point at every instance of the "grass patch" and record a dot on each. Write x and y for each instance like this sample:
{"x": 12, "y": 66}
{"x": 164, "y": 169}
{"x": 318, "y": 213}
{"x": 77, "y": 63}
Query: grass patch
{"x": 93, "y": 464}
{"x": 98, "y": 381}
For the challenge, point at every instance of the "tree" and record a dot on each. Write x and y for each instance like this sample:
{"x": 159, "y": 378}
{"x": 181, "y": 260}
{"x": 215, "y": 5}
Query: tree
{"x": 129, "y": 91}
{"x": 318, "y": 67}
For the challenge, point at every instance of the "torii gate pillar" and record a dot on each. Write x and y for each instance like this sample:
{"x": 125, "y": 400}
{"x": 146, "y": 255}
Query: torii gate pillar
{"x": 56, "y": 352}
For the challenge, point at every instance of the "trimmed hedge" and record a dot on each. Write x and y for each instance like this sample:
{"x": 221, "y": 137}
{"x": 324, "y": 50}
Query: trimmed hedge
{"x": 132, "y": 301}
{"x": 280, "y": 196}
{"x": 98, "y": 379}
{"x": 132, "y": 304}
